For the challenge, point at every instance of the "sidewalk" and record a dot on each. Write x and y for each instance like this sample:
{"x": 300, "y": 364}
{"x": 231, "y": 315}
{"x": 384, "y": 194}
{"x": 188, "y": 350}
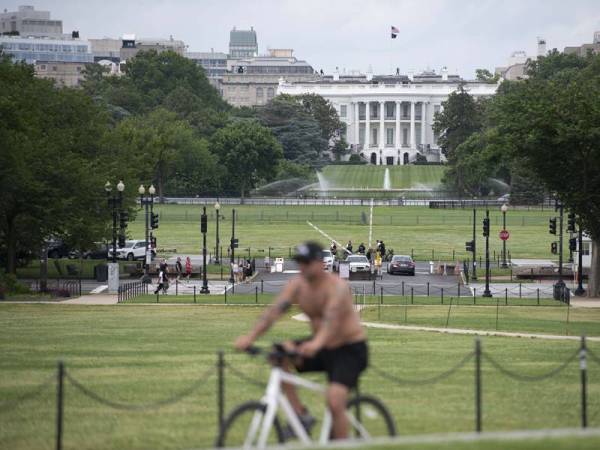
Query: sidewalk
{"x": 99, "y": 299}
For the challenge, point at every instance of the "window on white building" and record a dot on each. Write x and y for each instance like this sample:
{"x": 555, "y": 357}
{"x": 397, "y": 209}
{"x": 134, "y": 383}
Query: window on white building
{"x": 405, "y": 136}
{"x": 389, "y": 136}
{"x": 389, "y": 110}
{"x": 259, "y": 92}
{"x": 405, "y": 110}
{"x": 343, "y": 110}
{"x": 361, "y": 136}
{"x": 374, "y": 134}
{"x": 270, "y": 93}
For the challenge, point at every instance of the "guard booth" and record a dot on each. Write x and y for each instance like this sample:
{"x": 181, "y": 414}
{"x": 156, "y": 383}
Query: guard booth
{"x": 278, "y": 265}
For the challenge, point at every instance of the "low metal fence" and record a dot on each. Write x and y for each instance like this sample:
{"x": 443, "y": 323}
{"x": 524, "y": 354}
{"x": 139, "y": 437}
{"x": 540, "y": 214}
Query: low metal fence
{"x": 478, "y": 357}
{"x": 128, "y": 291}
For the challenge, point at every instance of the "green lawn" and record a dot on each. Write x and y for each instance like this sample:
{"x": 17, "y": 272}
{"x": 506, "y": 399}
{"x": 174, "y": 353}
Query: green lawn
{"x": 426, "y": 233}
{"x": 401, "y": 177}
{"x": 141, "y": 354}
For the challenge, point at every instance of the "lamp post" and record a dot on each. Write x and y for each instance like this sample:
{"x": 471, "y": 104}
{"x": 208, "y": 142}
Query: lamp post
{"x": 232, "y": 247}
{"x": 486, "y": 234}
{"x": 504, "y": 208}
{"x": 203, "y": 230}
{"x": 146, "y": 201}
{"x": 115, "y": 203}
{"x": 217, "y": 241}
{"x": 580, "y": 290}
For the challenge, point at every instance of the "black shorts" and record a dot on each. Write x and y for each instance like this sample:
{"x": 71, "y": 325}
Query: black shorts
{"x": 343, "y": 364}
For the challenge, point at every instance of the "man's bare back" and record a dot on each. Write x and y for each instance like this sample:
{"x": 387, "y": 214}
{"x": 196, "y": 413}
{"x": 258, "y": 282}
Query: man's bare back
{"x": 328, "y": 303}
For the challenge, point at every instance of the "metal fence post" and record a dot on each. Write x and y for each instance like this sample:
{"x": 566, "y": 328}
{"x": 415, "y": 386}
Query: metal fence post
{"x": 403, "y": 289}
{"x": 220, "y": 389}
{"x": 477, "y": 385}
{"x": 583, "y": 369}
{"x": 373, "y": 287}
{"x": 506, "y": 296}
{"x": 442, "y": 296}
{"x": 474, "y": 296}
{"x": 262, "y": 286}
{"x": 225, "y": 295}
{"x": 458, "y": 289}
{"x": 381, "y": 295}
{"x": 60, "y": 404}
{"x": 428, "y": 289}
{"x": 520, "y": 290}
{"x": 411, "y": 295}
{"x": 256, "y": 294}
{"x": 538, "y": 296}
{"x": 194, "y": 294}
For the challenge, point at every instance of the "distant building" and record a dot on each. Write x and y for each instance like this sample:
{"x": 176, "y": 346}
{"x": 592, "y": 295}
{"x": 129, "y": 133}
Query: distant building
{"x": 213, "y": 63}
{"x": 130, "y": 46}
{"x": 107, "y": 49}
{"x": 253, "y": 81}
{"x": 30, "y": 49}
{"x": 243, "y": 43}
{"x": 68, "y": 74}
{"x": 389, "y": 118}
{"x": 516, "y": 67}
{"x": 26, "y": 21}
{"x": 583, "y": 49}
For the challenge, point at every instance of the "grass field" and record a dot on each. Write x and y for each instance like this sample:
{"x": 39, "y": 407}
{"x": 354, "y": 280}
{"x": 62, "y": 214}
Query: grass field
{"x": 137, "y": 354}
{"x": 401, "y": 177}
{"x": 424, "y": 232}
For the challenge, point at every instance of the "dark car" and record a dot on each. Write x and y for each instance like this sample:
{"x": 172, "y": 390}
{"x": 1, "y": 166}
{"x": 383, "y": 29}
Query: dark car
{"x": 99, "y": 251}
{"x": 401, "y": 264}
{"x": 57, "y": 249}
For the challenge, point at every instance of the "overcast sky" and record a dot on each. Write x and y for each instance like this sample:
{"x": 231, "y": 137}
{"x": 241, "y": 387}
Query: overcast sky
{"x": 460, "y": 34}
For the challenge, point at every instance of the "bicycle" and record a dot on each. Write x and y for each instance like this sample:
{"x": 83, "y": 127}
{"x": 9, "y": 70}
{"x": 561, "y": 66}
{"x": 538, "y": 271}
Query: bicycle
{"x": 255, "y": 424}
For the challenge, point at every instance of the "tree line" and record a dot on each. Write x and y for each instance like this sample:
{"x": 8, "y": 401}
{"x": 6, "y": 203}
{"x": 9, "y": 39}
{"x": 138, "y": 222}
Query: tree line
{"x": 540, "y": 135}
{"x": 160, "y": 122}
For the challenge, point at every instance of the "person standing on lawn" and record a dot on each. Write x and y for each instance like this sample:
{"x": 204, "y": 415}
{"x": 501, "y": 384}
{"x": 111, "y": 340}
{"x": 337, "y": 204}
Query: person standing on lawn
{"x": 188, "y": 267}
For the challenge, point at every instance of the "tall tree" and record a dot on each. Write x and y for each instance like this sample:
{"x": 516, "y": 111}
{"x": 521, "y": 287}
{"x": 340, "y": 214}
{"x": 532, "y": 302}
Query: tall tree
{"x": 52, "y": 165}
{"x": 552, "y": 121}
{"x": 461, "y": 116}
{"x": 249, "y": 153}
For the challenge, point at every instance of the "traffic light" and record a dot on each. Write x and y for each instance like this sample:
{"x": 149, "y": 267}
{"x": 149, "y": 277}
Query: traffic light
{"x": 571, "y": 223}
{"x": 554, "y": 248}
{"x": 573, "y": 244}
{"x": 121, "y": 241}
{"x": 154, "y": 221}
{"x": 486, "y": 227}
{"x": 123, "y": 219}
{"x": 552, "y": 225}
{"x": 235, "y": 243}
{"x": 203, "y": 223}
{"x": 470, "y": 245}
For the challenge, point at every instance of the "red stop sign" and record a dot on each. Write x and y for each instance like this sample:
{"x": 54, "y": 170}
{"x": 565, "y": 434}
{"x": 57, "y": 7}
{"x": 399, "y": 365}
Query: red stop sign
{"x": 504, "y": 235}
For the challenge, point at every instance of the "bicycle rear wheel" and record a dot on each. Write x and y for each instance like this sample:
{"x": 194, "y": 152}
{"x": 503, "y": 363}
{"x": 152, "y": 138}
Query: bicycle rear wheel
{"x": 241, "y": 428}
{"x": 369, "y": 418}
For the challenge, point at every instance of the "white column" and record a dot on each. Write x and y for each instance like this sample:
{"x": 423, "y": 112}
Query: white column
{"x": 412, "y": 125}
{"x": 368, "y": 128}
{"x": 423, "y": 121}
{"x": 357, "y": 124}
{"x": 397, "y": 130}
{"x": 381, "y": 125}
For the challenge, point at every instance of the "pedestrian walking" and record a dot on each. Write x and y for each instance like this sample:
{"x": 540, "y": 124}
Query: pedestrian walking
{"x": 378, "y": 264}
{"x": 361, "y": 248}
{"x": 161, "y": 282}
{"x": 188, "y": 267}
{"x": 178, "y": 267}
{"x": 349, "y": 247}
{"x": 382, "y": 249}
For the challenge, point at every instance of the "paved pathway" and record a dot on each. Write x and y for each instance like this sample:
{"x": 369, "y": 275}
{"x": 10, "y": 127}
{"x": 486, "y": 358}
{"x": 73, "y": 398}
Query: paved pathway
{"x": 98, "y": 299}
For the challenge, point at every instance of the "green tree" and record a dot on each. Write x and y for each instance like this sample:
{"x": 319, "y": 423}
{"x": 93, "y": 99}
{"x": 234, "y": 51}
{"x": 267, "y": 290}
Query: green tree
{"x": 52, "y": 164}
{"x": 324, "y": 113}
{"x": 249, "y": 152}
{"x": 462, "y": 115}
{"x": 486, "y": 76}
{"x": 295, "y": 128}
{"x": 551, "y": 120}
{"x": 158, "y": 143}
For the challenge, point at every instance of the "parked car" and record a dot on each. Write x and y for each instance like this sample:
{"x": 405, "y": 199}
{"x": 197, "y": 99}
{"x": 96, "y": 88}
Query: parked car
{"x": 98, "y": 251}
{"x": 132, "y": 250}
{"x": 328, "y": 260}
{"x": 358, "y": 263}
{"x": 57, "y": 249}
{"x": 401, "y": 264}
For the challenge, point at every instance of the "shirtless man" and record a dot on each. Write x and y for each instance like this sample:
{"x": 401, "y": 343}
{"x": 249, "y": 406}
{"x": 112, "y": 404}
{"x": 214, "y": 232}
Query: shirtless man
{"x": 337, "y": 345}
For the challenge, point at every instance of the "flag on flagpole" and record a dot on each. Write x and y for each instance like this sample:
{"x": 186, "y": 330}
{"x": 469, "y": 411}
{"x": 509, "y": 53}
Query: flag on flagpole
{"x": 395, "y": 32}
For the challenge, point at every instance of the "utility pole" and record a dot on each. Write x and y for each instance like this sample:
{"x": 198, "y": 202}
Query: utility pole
{"x": 474, "y": 277}
{"x": 486, "y": 234}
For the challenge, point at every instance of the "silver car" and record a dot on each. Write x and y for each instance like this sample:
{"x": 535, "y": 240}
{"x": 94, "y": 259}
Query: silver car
{"x": 358, "y": 263}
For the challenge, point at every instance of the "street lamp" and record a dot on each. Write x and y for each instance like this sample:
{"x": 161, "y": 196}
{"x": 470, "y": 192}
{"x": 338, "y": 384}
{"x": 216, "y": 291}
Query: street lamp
{"x": 217, "y": 208}
{"x": 486, "y": 234}
{"x": 203, "y": 230}
{"x": 504, "y": 208}
{"x": 146, "y": 201}
{"x": 115, "y": 203}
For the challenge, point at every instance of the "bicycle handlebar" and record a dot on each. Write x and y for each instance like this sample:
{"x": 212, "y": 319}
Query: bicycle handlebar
{"x": 277, "y": 352}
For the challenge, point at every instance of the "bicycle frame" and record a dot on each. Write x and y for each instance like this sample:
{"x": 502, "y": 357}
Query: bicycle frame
{"x": 274, "y": 398}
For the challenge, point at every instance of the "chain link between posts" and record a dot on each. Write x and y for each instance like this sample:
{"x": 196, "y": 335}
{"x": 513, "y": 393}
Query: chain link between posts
{"x": 145, "y": 406}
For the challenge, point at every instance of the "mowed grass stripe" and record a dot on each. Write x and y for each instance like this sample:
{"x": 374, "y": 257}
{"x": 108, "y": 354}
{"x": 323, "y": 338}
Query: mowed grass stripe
{"x": 372, "y": 177}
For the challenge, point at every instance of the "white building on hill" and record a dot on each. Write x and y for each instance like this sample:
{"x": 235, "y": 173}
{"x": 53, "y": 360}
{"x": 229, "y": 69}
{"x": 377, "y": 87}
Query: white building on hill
{"x": 388, "y": 118}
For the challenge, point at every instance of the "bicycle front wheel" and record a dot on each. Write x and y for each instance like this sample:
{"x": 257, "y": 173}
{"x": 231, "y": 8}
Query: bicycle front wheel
{"x": 369, "y": 418}
{"x": 242, "y": 427}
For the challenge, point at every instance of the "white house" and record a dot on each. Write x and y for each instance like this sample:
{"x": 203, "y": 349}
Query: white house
{"x": 400, "y": 110}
